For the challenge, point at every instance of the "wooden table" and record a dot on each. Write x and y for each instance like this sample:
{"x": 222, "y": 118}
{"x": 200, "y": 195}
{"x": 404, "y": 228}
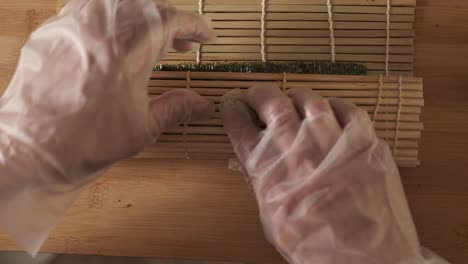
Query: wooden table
{"x": 199, "y": 210}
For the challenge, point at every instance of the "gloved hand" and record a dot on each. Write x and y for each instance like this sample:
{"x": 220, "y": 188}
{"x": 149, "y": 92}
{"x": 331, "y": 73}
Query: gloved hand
{"x": 78, "y": 103}
{"x": 328, "y": 190}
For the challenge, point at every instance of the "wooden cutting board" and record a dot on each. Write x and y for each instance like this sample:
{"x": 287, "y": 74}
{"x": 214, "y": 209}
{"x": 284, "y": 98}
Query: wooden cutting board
{"x": 197, "y": 209}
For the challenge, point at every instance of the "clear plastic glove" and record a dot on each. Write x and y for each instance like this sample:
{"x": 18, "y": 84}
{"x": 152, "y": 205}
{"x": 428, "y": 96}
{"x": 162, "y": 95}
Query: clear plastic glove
{"x": 328, "y": 189}
{"x": 78, "y": 103}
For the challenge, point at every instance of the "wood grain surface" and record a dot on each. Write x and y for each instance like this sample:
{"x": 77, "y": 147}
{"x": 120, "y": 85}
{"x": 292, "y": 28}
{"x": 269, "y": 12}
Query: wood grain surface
{"x": 199, "y": 210}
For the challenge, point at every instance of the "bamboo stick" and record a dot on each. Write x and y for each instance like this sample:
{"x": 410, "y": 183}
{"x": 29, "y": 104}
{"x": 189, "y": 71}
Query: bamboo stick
{"x": 318, "y": 85}
{"x": 168, "y": 147}
{"x": 384, "y": 118}
{"x": 153, "y": 153}
{"x": 339, "y": 33}
{"x": 205, "y": 130}
{"x": 312, "y": 41}
{"x": 227, "y": 147}
{"x": 368, "y": 108}
{"x": 406, "y": 155}
{"x": 161, "y": 75}
{"x": 360, "y": 100}
{"x": 222, "y": 138}
{"x": 230, "y": 8}
{"x": 307, "y": 25}
{"x": 378, "y": 125}
{"x": 363, "y": 101}
{"x": 324, "y": 93}
{"x": 308, "y": 17}
{"x": 382, "y": 115}
{"x": 305, "y": 49}
{"x": 374, "y": 62}
{"x": 293, "y": 56}
{"x": 300, "y": 2}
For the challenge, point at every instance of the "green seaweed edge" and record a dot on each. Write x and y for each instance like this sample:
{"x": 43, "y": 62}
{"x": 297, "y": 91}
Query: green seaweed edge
{"x": 318, "y": 67}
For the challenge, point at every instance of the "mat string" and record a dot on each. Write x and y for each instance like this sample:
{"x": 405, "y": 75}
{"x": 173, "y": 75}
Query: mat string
{"x": 201, "y": 12}
{"x": 400, "y": 103}
{"x": 332, "y": 30}
{"x": 379, "y": 98}
{"x": 387, "y": 45}
{"x": 263, "y": 31}
{"x": 187, "y": 86}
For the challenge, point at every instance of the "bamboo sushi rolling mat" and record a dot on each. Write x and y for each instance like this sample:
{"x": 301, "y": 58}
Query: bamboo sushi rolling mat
{"x": 378, "y": 34}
